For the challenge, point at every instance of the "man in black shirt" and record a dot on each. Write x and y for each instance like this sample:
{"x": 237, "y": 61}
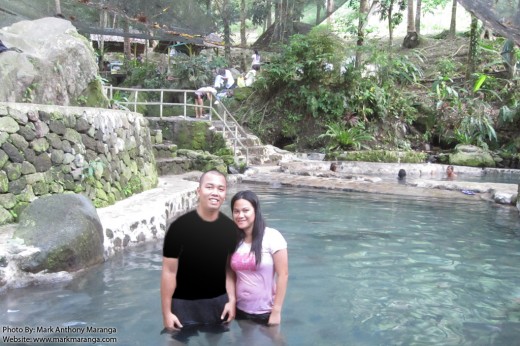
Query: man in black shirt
{"x": 197, "y": 284}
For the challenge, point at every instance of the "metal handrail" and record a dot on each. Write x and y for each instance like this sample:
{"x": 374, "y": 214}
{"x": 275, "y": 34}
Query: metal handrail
{"x": 109, "y": 92}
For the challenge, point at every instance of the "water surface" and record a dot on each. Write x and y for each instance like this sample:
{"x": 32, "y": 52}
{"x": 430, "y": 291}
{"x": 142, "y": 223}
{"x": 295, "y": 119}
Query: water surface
{"x": 364, "y": 270}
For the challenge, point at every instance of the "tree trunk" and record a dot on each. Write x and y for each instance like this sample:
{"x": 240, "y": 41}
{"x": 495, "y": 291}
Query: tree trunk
{"x": 269, "y": 6}
{"x": 390, "y": 25}
{"x": 418, "y": 17}
{"x": 318, "y": 11}
{"x": 208, "y": 8}
{"x": 490, "y": 20}
{"x": 103, "y": 17}
{"x": 411, "y": 18}
{"x": 330, "y": 9}
{"x": 411, "y": 39}
{"x": 243, "y": 40}
{"x": 453, "y": 23}
{"x": 227, "y": 29}
{"x": 473, "y": 44}
{"x": 126, "y": 40}
{"x": 58, "y": 6}
{"x": 363, "y": 14}
{"x": 281, "y": 21}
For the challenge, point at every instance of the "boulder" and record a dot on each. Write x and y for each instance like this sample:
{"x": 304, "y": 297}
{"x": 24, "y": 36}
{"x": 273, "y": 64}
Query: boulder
{"x": 67, "y": 230}
{"x": 52, "y": 64}
{"x": 472, "y": 156}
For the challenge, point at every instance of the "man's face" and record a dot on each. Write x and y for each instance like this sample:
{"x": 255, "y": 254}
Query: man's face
{"x": 212, "y": 192}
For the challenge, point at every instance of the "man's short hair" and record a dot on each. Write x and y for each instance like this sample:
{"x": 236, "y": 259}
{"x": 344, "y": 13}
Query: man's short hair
{"x": 213, "y": 171}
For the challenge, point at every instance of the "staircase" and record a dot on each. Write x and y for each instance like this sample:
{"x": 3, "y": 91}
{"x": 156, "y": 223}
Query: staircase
{"x": 247, "y": 147}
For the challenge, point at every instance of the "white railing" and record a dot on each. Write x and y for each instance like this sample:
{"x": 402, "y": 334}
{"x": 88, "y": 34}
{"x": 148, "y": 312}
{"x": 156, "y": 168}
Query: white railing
{"x": 220, "y": 111}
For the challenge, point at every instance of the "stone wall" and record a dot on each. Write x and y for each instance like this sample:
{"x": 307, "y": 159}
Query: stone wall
{"x": 103, "y": 154}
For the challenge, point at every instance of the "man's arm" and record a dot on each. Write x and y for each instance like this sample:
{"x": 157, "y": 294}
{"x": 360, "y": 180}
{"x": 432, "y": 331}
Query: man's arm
{"x": 230, "y": 307}
{"x": 281, "y": 267}
{"x": 168, "y": 285}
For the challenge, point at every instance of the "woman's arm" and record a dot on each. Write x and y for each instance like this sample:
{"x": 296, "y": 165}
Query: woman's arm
{"x": 281, "y": 268}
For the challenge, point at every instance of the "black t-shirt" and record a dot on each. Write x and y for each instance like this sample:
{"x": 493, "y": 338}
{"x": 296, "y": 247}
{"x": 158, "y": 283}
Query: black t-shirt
{"x": 202, "y": 249}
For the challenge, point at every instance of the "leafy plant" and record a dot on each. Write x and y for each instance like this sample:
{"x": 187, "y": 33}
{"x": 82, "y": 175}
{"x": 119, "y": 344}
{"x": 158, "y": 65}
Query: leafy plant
{"x": 508, "y": 115}
{"x": 342, "y": 137}
{"x": 478, "y": 126}
{"x": 117, "y": 98}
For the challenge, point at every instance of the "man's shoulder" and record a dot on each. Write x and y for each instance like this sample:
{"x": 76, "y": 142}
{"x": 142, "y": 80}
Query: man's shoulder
{"x": 186, "y": 217}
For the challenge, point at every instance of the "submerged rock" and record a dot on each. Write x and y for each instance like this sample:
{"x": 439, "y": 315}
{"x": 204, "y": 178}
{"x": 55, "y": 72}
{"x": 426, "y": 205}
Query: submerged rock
{"x": 67, "y": 231}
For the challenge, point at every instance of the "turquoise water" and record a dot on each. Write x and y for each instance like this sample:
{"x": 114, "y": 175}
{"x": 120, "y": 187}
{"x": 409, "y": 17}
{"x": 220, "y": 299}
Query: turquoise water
{"x": 364, "y": 270}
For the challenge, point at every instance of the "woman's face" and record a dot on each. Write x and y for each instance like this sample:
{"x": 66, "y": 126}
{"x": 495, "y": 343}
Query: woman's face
{"x": 244, "y": 215}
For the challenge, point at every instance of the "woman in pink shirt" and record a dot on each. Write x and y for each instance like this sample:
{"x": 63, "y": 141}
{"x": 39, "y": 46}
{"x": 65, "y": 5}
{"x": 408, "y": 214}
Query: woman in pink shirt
{"x": 260, "y": 263}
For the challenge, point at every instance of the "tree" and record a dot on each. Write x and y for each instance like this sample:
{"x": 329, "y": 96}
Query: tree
{"x": 319, "y": 5}
{"x": 58, "y": 6}
{"x": 418, "y": 14}
{"x": 473, "y": 45}
{"x": 226, "y": 19}
{"x": 453, "y": 23}
{"x": 501, "y": 21}
{"x": 363, "y": 19}
{"x": 411, "y": 39}
{"x": 269, "y": 6}
{"x": 330, "y": 9}
{"x": 243, "y": 15}
{"x": 286, "y": 12}
{"x": 387, "y": 12}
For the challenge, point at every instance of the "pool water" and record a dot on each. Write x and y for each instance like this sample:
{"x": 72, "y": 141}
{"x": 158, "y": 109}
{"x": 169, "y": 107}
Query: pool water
{"x": 363, "y": 270}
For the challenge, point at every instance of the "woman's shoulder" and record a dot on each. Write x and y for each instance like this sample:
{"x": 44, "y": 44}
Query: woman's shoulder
{"x": 273, "y": 234}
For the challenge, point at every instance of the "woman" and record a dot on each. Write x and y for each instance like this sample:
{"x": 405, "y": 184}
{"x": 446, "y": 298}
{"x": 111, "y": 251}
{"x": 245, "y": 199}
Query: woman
{"x": 261, "y": 253}
{"x": 255, "y": 63}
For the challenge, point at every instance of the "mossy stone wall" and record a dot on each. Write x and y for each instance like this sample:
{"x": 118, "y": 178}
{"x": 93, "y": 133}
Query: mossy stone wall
{"x": 103, "y": 154}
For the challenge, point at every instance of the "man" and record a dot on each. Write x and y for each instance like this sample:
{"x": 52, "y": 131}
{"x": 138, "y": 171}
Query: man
{"x": 197, "y": 284}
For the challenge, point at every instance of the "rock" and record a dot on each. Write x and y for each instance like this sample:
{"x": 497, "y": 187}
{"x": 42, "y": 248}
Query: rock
{"x": 67, "y": 230}
{"x": 472, "y": 156}
{"x": 56, "y": 65}
{"x": 505, "y": 198}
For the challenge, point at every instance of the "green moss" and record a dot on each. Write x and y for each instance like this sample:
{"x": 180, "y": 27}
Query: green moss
{"x": 379, "y": 156}
{"x": 92, "y": 96}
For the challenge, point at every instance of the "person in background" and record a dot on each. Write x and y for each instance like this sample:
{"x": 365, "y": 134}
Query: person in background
{"x": 251, "y": 75}
{"x": 197, "y": 284}
{"x": 450, "y": 173}
{"x": 260, "y": 262}
{"x": 401, "y": 175}
{"x": 255, "y": 60}
{"x": 224, "y": 78}
{"x": 200, "y": 95}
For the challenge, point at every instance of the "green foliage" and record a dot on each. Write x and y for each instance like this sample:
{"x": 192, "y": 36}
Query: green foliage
{"x": 445, "y": 91}
{"x": 28, "y": 93}
{"x": 477, "y": 129}
{"x": 303, "y": 90}
{"x": 341, "y": 137}
{"x": 193, "y": 72}
{"x": 447, "y": 67}
{"x": 145, "y": 75}
{"x": 117, "y": 98}
{"x": 508, "y": 115}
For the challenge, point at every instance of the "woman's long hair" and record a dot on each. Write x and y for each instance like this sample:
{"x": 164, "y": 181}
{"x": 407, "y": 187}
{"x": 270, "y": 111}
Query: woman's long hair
{"x": 259, "y": 224}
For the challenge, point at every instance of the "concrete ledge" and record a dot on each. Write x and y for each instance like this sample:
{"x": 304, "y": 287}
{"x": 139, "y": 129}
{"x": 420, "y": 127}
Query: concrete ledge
{"x": 146, "y": 216}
